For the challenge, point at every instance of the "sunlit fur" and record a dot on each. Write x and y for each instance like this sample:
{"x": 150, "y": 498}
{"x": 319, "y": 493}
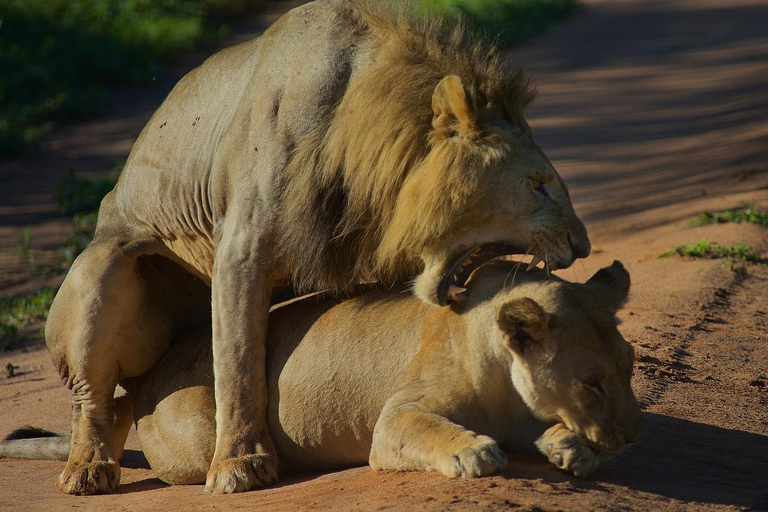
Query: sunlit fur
{"x": 376, "y": 183}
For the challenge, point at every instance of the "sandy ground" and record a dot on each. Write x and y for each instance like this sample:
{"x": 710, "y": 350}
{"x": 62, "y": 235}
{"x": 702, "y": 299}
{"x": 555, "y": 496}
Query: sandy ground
{"x": 652, "y": 111}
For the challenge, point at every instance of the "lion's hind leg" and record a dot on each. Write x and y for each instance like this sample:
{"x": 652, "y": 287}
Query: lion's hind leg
{"x": 102, "y": 328}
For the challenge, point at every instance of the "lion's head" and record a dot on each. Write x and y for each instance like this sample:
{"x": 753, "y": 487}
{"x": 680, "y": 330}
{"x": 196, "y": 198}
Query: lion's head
{"x": 484, "y": 183}
{"x": 426, "y": 158}
{"x": 568, "y": 361}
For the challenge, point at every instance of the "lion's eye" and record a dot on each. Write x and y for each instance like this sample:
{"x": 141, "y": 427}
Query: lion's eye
{"x": 538, "y": 186}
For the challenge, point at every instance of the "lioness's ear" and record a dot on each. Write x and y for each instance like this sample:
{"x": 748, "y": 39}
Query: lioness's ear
{"x": 524, "y": 322}
{"x": 452, "y": 109}
{"x": 611, "y": 284}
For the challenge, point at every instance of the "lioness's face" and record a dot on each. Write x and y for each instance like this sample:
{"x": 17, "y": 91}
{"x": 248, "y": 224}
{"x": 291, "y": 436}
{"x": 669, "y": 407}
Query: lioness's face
{"x": 518, "y": 204}
{"x": 572, "y": 364}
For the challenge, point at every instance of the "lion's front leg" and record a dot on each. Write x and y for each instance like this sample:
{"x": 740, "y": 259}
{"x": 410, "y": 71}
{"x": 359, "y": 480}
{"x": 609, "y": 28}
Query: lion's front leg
{"x": 245, "y": 456}
{"x": 408, "y": 437}
{"x": 567, "y": 450}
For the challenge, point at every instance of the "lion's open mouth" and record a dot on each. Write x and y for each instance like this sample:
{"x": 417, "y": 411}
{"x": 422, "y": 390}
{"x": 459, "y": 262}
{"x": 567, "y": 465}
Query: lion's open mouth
{"x": 454, "y": 279}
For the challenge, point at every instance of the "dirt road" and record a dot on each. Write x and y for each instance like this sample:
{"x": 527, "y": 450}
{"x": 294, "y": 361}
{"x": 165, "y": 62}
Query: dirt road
{"x": 652, "y": 111}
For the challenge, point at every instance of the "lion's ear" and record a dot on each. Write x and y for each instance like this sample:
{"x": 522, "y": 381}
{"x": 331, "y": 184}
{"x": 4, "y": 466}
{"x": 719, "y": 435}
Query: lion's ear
{"x": 523, "y": 322}
{"x": 611, "y": 284}
{"x": 451, "y": 108}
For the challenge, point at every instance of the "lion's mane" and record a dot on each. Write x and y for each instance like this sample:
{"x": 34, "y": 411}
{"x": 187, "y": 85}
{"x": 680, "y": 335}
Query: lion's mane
{"x": 345, "y": 215}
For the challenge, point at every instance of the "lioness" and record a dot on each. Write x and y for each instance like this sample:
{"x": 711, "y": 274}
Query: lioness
{"x": 351, "y": 142}
{"x": 415, "y": 387}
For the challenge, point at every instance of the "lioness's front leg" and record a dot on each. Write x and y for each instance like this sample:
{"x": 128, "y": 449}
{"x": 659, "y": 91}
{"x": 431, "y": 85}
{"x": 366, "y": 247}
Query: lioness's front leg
{"x": 567, "y": 450}
{"x": 409, "y": 437}
{"x": 245, "y": 456}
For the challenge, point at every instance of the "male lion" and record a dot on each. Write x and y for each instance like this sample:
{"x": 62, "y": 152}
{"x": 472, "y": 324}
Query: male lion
{"x": 414, "y": 387}
{"x": 351, "y": 142}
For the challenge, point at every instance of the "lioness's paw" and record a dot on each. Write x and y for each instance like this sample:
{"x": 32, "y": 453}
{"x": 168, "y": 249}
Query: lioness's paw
{"x": 482, "y": 457}
{"x": 241, "y": 474}
{"x": 90, "y": 478}
{"x": 567, "y": 451}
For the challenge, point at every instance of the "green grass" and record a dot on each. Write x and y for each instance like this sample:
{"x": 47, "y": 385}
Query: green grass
{"x": 512, "y": 20}
{"x": 713, "y": 250}
{"x": 18, "y": 312}
{"x": 747, "y": 213}
{"x": 60, "y": 56}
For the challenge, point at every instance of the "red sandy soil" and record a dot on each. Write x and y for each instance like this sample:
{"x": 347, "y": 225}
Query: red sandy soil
{"x": 652, "y": 111}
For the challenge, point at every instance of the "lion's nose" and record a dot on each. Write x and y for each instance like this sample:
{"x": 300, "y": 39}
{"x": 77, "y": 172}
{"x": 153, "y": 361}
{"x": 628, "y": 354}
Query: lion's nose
{"x": 580, "y": 249}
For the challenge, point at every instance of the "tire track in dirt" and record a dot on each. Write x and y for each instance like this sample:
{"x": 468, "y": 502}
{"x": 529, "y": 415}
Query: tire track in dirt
{"x": 659, "y": 374}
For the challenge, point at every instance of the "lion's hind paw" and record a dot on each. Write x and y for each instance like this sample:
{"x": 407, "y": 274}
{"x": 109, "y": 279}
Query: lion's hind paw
{"x": 90, "y": 478}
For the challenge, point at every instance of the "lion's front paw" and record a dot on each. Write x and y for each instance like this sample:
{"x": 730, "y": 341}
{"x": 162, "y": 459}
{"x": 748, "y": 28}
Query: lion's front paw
{"x": 90, "y": 478}
{"x": 241, "y": 474}
{"x": 482, "y": 457}
{"x": 567, "y": 451}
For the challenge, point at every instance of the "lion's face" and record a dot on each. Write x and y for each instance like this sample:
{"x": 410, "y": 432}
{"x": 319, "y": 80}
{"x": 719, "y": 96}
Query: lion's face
{"x": 499, "y": 189}
{"x": 572, "y": 366}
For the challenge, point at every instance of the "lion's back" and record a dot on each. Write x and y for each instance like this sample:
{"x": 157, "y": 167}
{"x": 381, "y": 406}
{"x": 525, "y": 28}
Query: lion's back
{"x": 229, "y": 124}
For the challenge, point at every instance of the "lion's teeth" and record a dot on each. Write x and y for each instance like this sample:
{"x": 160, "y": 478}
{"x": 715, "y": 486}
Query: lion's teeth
{"x": 536, "y": 260}
{"x": 456, "y": 293}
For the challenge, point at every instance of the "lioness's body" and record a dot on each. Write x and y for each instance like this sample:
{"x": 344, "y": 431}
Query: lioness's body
{"x": 415, "y": 387}
{"x": 451, "y": 367}
{"x": 347, "y": 143}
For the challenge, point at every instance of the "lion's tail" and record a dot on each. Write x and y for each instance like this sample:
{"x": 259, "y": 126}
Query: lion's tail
{"x": 35, "y": 443}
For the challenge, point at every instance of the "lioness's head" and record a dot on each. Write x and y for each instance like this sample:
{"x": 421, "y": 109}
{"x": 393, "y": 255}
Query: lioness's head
{"x": 484, "y": 189}
{"x": 568, "y": 361}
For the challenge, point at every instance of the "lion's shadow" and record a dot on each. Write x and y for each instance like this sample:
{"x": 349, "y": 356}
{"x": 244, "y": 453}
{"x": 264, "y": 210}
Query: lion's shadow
{"x": 682, "y": 460}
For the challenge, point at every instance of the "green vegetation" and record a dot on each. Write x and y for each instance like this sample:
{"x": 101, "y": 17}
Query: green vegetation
{"x": 18, "y": 312}
{"x": 713, "y": 250}
{"x": 512, "y": 20}
{"x": 59, "y": 56}
{"x": 24, "y": 250}
{"x": 84, "y": 227}
{"x": 746, "y": 213}
{"x": 81, "y": 198}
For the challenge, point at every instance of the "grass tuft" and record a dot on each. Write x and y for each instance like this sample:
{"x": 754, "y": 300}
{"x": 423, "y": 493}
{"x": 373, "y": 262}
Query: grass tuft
{"x": 746, "y": 213}
{"x": 713, "y": 250}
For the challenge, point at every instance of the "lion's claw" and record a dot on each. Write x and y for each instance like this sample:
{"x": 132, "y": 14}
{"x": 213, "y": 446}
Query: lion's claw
{"x": 241, "y": 474}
